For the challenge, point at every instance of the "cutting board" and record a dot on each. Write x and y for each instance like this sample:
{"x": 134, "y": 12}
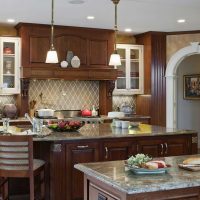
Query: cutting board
{"x": 194, "y": 169}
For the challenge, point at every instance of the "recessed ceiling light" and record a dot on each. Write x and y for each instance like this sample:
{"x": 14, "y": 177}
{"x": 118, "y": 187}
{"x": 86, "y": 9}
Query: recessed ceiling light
{"x": 90, "y": 17}
{"x": 10, "y": 20}
{"x": 128, "y": 30}
{"x": 181, "y": 20}
{"x": 76, "y": 1}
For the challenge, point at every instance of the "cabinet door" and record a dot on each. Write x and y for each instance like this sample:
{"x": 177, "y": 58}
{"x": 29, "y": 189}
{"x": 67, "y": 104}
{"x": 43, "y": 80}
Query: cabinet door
{"x": 78, "y": 153}
{"x": 130, "y": 73}
{"x": 9, "y": 64}
{"x": 117, "y": 150}
{"x": 177, "y": 145}
{"x": 152, "y": 147}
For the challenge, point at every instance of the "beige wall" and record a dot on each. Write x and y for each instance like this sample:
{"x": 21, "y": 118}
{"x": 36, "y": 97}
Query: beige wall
{"x": 7, "y": 31}
{"x": 125, "y": 39}
{"x": 177, "y": 42}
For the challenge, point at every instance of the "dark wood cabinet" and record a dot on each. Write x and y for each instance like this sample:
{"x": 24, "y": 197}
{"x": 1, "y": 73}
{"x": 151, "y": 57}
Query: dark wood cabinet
{"x": 81, "y": 152}
{"x": 66, "y": 183}
{"x": 92, "y": 46}
{"x": 119, "y": 150}
{"x": 166, "y": 146}
{"x": 152, "y": 147}
{"x": 177, "y": 146}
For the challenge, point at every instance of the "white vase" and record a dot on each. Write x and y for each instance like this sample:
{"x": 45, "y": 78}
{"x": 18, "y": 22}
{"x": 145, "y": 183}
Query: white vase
{"x": 75, "y": 62}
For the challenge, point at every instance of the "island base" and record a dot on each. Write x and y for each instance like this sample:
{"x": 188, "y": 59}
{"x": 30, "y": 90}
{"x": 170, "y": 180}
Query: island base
{"x": 97, "y": 190}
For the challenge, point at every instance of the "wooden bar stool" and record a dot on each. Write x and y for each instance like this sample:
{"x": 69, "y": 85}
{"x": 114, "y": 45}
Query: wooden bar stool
{"x": 16, "y": 161}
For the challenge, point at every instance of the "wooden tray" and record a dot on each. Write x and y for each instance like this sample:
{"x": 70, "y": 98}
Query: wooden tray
{"x": 190, "y": 168}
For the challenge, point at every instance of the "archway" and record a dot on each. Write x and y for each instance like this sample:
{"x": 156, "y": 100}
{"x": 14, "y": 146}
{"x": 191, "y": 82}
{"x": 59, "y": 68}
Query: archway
{"x": 171, "y": 82}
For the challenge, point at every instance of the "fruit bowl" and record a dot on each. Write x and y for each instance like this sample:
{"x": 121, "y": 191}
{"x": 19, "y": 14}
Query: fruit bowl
{"x": 65, "y": 126}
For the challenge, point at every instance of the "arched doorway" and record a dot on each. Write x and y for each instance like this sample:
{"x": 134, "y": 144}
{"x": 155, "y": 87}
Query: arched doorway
{"x": 171, "y": 82}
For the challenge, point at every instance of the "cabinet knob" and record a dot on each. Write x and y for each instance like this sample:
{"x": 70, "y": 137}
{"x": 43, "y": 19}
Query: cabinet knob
{"x": 166, "y": 147}
{"x": 162, "y": 147}
{"x": 106, "y": 150}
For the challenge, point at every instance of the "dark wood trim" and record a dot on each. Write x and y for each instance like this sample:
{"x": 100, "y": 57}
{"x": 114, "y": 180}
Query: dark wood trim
{"x": 183, "y": 32}
{"x": 23, "y": 98}
{"x": 154, "y": 83}
{"x": 81, "y": 73}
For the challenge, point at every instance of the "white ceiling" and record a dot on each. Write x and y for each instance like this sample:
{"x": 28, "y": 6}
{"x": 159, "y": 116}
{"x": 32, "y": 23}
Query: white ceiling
{"x": 140, "y": 15}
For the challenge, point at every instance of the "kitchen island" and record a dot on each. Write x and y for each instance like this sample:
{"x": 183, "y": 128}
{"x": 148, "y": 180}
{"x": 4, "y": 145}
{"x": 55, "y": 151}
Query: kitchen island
{"x": 102, "y": 142}
{"x": 113, "y": 181}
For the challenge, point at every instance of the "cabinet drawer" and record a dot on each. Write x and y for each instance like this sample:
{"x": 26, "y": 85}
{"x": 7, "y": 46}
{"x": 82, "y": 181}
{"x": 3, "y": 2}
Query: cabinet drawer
{"x": 97, "y": 193}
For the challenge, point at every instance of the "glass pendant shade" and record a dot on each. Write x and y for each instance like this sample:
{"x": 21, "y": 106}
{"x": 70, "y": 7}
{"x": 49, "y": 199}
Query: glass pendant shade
{"x": 115, "y": 60}
{"x": 52, "y": 57}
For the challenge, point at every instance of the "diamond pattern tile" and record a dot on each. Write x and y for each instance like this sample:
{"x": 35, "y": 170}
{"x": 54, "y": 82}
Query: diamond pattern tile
{"x": 64, "y": 95}
{"x": 118, "y": 100}
{"x": 6, "y": 99}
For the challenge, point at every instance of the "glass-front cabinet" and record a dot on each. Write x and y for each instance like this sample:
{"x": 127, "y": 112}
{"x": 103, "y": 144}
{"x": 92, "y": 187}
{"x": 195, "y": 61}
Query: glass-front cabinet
{"x": 10, "y": 65}
{"x": 131, "y": 72}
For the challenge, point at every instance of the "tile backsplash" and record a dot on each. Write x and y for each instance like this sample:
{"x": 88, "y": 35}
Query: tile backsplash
{"x": 6, "y": 99}
{"x": 118, "y": 100}
{"x": 64, "y": 95}
{"x": 67, "y": 95}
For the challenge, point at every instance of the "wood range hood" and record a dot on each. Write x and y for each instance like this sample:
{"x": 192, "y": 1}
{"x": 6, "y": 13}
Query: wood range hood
{"x": 82, "y": 73}
{"x": 92, "y": 46}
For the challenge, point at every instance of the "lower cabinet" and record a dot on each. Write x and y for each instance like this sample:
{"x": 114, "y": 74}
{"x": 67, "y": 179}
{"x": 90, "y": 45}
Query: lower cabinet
{"x": 66, "y": 183}
{"x": 81, "y": 152}
{"x": 118, "y": 150}
{"x": 166, "y": 145}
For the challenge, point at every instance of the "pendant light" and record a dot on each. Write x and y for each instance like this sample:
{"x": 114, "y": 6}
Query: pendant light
{"x": 115, "y": 57}
{"x": 52, "y": 56}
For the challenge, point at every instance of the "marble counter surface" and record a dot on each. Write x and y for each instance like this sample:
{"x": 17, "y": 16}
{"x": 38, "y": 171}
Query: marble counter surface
{"x": 115, "y": 174}
{"x": 105, "y": 130}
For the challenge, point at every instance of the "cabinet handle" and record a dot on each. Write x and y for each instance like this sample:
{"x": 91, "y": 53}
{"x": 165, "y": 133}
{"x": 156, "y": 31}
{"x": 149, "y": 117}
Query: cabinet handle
{"x": 166, "y": 148}
{"x": 161, "y": 148}
{"x": 106, "y": 149}
{"x": 82, "y": 146}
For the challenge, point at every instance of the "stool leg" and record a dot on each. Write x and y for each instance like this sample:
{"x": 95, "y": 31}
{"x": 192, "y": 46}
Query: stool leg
{"x": 31, "y": 182}
{"x": 42, "y": 184}
{"x": 4, "y": 189}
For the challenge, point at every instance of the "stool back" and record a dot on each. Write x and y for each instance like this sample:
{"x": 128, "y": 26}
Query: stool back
{"x": 16, "y": 156}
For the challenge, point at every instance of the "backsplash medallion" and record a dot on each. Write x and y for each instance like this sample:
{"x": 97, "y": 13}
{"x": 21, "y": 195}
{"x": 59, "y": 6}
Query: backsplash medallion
{"x": 64, "y": 95}
{"x": 118, "y": 100}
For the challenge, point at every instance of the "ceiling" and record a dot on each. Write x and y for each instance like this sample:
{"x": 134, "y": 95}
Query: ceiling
{"x": 139, "y": 15}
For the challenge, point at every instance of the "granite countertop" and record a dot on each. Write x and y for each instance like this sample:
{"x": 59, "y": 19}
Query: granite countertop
{"x": 115, "y": 174}
{"x": 95, "y": 131}
{"x": 105, "y": 130}
{"x": 92, "y": 119}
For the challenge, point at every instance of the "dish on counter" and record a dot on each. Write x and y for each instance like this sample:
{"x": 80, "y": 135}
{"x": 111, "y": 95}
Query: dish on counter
{"x": 143, "y": 164}
{"x": 147, "y": 171}
{"x": 65, "y": 126}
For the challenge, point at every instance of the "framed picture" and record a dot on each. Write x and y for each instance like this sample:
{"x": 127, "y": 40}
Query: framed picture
{"x": 191, "y": 86}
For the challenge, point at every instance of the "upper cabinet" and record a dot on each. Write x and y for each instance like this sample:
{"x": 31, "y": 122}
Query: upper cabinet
{"x": 10, "y": 48}
{"x": 130, "y": 78}
{"x": 92, "y": 46}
